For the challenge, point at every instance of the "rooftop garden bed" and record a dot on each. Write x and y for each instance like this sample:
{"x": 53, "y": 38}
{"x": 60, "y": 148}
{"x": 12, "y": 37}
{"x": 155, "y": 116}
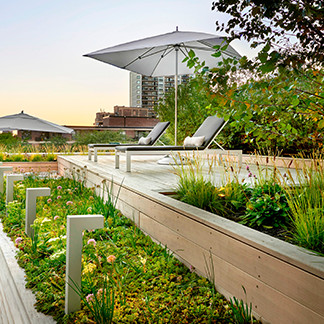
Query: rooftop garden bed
{"x": 282, "y": 204}
{"x": 140, "y": 281}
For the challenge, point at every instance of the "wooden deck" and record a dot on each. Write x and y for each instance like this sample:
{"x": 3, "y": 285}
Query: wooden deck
{"x": 146, "y": 173}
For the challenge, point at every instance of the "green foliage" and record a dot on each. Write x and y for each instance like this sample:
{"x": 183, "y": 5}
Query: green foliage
{"x": 9, "y": 140}
{"x": 58, "y": 140}
{"x": 281, "y": 112}
{"x": 275, "y": 102}
{"x": 306, "y": 202}
{"x": 36, "y": 158}
{"x": 15, "y": 216}
{"x": 273, "y": 203}
{"x": 85, "y": 138}
{"x": 50, "y": 157}
{"x": 197, "y": 188}
{"x": 100, "y": 302}
{"x": 292, "y": 29}
{"x": 18, "y": 158}
{"x": 192, "y": 100}
{"x": 267, "y": 207}
{"x": 25, "y": 147}
{"x": 242, "y": 312}
{"x": 198, "y": 192}
{"x": 309, "y": 229}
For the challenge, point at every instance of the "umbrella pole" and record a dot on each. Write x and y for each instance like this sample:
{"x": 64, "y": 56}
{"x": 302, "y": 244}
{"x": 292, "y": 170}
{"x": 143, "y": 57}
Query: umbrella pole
{"x": 176, "y": 97}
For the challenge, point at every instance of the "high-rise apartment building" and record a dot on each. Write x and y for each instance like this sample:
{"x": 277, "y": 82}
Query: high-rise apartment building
{"x": 146, "y": 91}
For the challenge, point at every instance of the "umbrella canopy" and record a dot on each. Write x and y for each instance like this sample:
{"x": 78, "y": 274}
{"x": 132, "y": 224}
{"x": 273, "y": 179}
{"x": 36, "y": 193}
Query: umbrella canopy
{"x": 27, "y": 122}
{"x": 156, "y": 56}
{"x": 160, "y": 55}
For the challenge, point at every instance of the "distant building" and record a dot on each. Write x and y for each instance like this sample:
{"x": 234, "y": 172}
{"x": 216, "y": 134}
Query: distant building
{"x": 146, "y": 91}
{"x": 133, "y": 121}
{"x": 121, "y": 111}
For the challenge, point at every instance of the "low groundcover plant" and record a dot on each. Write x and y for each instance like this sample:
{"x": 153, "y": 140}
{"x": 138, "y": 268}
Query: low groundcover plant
{"x": 126, "y": 278}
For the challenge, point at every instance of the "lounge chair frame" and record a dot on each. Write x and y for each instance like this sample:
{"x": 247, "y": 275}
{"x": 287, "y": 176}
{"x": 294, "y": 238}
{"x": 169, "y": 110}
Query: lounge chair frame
{"x": 136, "y": 150}
{"x": 93, "y": 149}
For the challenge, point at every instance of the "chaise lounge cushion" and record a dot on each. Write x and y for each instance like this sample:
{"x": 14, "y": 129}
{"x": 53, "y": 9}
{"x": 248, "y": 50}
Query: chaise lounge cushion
{"x": 194, "y": 141}
{"x": 144, "y": 140}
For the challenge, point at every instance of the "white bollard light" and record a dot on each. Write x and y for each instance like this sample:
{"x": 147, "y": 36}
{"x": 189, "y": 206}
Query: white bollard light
{"x": 75, "y": 225}
{"x": 11, "y": 178}
{"x": 31, "y": 195}
{"x": 3, "y": 169}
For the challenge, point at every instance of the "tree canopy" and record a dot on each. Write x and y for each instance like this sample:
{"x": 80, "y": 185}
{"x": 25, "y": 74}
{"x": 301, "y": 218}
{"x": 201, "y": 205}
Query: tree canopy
{"x": 293, "y": 29}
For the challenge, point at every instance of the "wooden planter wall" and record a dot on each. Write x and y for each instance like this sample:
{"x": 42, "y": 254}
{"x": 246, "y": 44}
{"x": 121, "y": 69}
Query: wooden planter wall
{"x": 32, "y": 166}
{"x": 285, "y": 283}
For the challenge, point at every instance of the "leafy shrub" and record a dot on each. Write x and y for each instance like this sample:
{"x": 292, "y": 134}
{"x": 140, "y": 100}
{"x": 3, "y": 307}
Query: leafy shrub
{"x": 85, "y": 138}
{"x": 18, "y": 158}
{"x": 9, "y": 139}
{"x": 267, "y": 207}
{"x": 51, "y": 157}
{"x": 36, "y": 158}
{"x": 58, "y": 140}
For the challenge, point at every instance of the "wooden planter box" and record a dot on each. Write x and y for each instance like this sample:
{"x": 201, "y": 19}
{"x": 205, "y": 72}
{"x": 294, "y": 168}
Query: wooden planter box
{"x": 285, "y": 283}
{"x": 32, "y": 166}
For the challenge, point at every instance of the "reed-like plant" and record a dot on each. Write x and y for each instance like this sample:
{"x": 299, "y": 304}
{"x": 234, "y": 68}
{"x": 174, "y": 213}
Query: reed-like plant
{"x": 197, "y": 186}
{"x": 306, "y": 202}
{"x": 242, "y": 312}
{"x": 101, "y": 303}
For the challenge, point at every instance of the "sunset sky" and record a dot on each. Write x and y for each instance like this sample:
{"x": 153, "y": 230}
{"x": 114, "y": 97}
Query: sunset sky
{"x": 42, "y": 70}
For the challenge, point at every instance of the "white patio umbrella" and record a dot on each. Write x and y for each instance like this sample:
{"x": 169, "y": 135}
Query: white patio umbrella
{"x": 160, "y": 55}
{"x": 27, "y": 122}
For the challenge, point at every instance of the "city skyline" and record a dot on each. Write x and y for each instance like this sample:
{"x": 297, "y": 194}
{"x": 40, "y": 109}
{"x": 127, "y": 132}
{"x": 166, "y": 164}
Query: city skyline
{"x": 42, "y": 68}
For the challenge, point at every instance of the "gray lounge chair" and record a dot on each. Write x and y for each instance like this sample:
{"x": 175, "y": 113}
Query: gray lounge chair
{"x": 210, "y": 128}
{"x": 154, "y": 136}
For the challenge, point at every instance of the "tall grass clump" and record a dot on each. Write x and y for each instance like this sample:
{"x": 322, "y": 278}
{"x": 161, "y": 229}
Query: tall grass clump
{"x": 192, "y": 187}
{"x": 306, "y": 201}
{"x": 197, "y": 187}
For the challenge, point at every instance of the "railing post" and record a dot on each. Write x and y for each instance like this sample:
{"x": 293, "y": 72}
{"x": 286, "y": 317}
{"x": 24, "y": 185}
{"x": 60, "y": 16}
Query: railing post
{"x": 75, "y": 225}
{"x": 31, "y": 195}
{"x": 2, "y": 170}
{"x": 11, "y": 178}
